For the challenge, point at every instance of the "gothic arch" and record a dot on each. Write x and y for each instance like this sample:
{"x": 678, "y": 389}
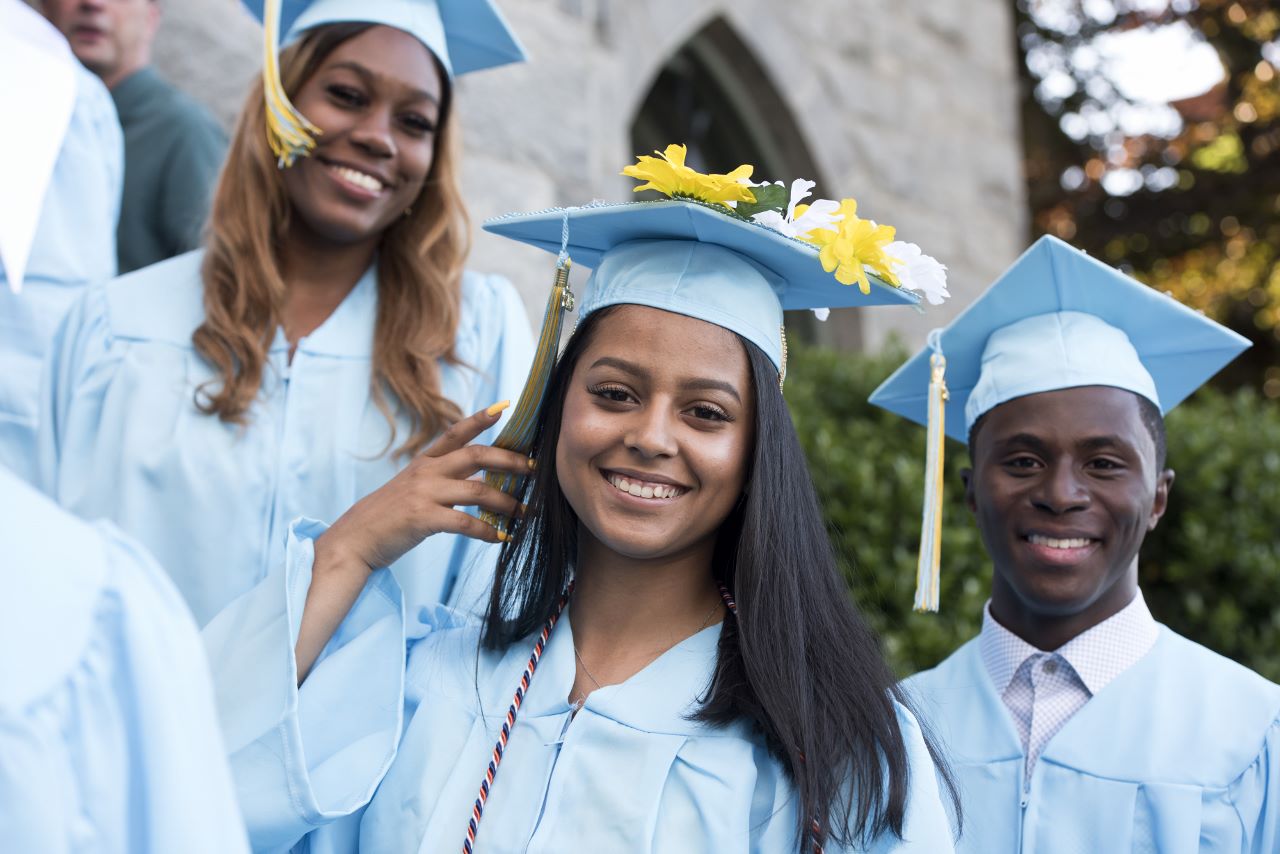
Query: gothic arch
{"x": 713, "y": 94}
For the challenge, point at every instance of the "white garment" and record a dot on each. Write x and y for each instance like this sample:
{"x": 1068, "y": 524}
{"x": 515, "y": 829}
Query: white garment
{"x": 1042, "y": 690}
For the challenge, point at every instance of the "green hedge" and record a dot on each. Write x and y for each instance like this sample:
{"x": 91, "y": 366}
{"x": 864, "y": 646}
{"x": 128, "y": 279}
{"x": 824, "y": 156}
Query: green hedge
{"x": 1211, "y": 570}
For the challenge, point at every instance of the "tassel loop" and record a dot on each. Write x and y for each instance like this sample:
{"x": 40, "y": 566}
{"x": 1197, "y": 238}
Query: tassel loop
{"x": 928, "y": 568}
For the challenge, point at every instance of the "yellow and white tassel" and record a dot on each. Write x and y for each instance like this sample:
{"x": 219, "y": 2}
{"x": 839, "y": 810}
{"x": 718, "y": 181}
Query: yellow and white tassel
{"x": 289, "y": 133}
{"x": 927, "y": 570}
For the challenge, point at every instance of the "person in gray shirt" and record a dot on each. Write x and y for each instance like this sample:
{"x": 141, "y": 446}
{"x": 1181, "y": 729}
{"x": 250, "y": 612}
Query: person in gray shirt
{"x": 173, "y": 148}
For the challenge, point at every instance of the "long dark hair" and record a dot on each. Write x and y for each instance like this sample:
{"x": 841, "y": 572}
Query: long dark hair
{"x": 798, "y": 661}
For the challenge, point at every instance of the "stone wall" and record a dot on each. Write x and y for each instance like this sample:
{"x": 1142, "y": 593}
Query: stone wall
{"x": 909, "y": 105}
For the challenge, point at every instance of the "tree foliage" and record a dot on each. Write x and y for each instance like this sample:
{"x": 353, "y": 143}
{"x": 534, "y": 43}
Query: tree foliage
{"x": 1186, "y": 196}
{"x": 1209, "y": 570}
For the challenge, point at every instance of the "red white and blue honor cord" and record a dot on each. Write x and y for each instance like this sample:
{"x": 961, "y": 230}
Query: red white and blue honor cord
{"x": 500, "y": 748}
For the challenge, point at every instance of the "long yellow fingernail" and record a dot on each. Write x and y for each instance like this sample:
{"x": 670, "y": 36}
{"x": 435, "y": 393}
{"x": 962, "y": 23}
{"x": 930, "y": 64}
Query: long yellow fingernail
{"x": 503, "y": 536}
{"x": 533, "y": 464}
{"x": 497, "y": 407}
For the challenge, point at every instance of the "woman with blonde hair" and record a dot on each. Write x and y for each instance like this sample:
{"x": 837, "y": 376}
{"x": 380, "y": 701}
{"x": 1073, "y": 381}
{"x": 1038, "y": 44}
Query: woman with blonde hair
{"x": 325, "y": 334}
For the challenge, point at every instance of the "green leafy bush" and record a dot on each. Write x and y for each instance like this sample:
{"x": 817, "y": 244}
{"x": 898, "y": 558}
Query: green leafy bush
{"x": 1211, "y": 570}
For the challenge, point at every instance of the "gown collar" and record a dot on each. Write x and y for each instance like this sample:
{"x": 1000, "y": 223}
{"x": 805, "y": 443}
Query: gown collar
{"x": 660, "y": 698}
{"x": 1098, "y": 655}
{"x": 348, "y": 331}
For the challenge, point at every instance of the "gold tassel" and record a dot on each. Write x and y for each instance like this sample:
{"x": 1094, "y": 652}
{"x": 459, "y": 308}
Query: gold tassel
{"x": 518, "y": 433}
{"x": 927, "y": 571}
{"x": 290, "y": 134}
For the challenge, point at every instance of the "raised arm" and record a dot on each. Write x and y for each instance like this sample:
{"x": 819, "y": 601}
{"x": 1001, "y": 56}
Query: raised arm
{"x": 419, "y": 501}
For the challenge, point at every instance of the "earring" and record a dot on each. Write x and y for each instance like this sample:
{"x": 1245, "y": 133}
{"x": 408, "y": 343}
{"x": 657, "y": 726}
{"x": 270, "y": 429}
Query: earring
{"x": 408, "y": 212}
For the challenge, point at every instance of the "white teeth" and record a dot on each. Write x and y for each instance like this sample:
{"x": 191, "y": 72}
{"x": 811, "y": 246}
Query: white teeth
{"x": 360, "y": 179}
{"x": 644, "y": 490}
{"x": 1054, "y": 543}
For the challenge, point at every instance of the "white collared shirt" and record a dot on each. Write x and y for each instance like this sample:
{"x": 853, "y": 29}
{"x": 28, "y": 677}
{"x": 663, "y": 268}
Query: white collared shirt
{"x": 1042, "y": 690}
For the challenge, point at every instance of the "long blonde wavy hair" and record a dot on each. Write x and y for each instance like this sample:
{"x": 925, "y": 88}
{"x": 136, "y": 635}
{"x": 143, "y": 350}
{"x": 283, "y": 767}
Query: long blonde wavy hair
{"x": 420, "y": 259}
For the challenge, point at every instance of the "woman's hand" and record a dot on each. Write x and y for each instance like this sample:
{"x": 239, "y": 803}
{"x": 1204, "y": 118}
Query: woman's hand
{"x": 419, "y": 501}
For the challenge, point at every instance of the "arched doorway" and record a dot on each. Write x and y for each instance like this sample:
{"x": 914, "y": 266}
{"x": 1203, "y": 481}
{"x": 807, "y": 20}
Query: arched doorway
{"x": 714, "y": 96}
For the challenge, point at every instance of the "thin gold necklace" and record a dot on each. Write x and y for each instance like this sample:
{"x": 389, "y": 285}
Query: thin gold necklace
{"x": 706, "y": 621}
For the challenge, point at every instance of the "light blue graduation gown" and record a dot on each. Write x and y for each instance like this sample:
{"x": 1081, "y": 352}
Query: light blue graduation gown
{"x": 1179, "y": 754}
{"x": 122, "y": 437}
{"x": 109, "y": 741}
{"x": 629, "y": 773}
{"x": 75, "y": 243}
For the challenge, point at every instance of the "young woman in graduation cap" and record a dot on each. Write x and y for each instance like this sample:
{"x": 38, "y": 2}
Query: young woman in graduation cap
{"x": 327, "y": 331}
{"x": 669, "y": 660}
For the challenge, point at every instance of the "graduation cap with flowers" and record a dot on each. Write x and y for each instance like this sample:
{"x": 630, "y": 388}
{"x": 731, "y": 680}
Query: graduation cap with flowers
{"x": 720, "y": 249}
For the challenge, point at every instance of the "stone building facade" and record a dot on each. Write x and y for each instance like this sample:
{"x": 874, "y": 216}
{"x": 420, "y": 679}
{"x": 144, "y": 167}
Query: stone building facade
{"x": 908, "y": 105}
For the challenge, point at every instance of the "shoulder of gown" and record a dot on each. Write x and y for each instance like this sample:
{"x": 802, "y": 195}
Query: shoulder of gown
{"x": 107, "y": 723}
{"x": 161, "y": 302}
{"x": 1191, "y": 691}
{"x": 494, "y": 336}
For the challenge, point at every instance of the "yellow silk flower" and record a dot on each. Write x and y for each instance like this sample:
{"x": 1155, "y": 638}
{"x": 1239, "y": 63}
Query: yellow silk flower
{"x": 852, "y": 246}
{"x": 671, "y": 177}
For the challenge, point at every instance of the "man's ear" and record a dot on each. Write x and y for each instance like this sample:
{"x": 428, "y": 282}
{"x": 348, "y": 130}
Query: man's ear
{"x": 966, "y": 475}
{"x": 1164, "y": 485}
{"x": 153, "y": 17}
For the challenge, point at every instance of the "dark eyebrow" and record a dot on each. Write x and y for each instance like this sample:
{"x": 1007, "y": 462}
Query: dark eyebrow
{"x": 1098, "y": 443}
{"x": 371, "y": 76}
{"x": 641, "y": 373}
{"x": 1028, "y": 440}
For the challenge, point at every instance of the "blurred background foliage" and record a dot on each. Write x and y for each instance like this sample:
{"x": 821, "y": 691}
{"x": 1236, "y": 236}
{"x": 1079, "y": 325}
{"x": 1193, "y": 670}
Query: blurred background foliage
{"x": 1184, "y": 193}
{"x": 1209, "y": 570}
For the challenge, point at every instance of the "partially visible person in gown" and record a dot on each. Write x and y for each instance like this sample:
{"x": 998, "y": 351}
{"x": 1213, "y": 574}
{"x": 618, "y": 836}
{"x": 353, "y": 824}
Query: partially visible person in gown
{"x": 1075, "y": 720}
{"x": 173, "y": 147}
{"x": 65, "y": 197}
{"x": 109, "y": 742}
{"x": 323, "y": 337}
{"x": 670, "y": 660}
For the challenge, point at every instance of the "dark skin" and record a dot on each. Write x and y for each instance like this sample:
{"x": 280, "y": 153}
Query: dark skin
{"x": 1064, "y": 488}
{"x": 376, "y": 99}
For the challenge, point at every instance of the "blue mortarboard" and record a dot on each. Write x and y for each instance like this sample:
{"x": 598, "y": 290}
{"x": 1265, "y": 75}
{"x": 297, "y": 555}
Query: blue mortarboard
{"x": 465, "y": 35}
{"x": 716, "y": 251}
{"x": 691, "y": 259}
{"x": 1060, "y": 319}
{"x": 1056, "y": 319}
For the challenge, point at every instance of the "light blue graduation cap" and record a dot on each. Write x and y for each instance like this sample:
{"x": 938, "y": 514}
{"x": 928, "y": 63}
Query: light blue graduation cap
{"x": 1056, "y": 319}
{"x": 688, "y": 257}
{"x": 465, "y": 35}
{"x": 1060, "y": 319}
{"x": 691, "y": 259}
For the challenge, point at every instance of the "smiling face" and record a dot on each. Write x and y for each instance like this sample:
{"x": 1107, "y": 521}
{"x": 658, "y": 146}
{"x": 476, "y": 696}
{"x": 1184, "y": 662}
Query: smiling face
{"x": 111, "y": 37}
{"x": 377, "y": 101}
{"x": 1065, "y": 487}
{"x": 657, "y": 433}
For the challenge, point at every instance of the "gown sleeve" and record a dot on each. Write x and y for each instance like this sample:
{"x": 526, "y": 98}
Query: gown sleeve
{"x": 1256, "y": 797}
{"x": 307, "y": 758}
{"x": 119, "y": 752}
{"x": 77, "y": 373}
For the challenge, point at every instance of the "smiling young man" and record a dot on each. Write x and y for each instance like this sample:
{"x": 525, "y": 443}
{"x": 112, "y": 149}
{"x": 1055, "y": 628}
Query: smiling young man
{"x": 1075, "y": 721}
{"x": 173, "y": 148}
